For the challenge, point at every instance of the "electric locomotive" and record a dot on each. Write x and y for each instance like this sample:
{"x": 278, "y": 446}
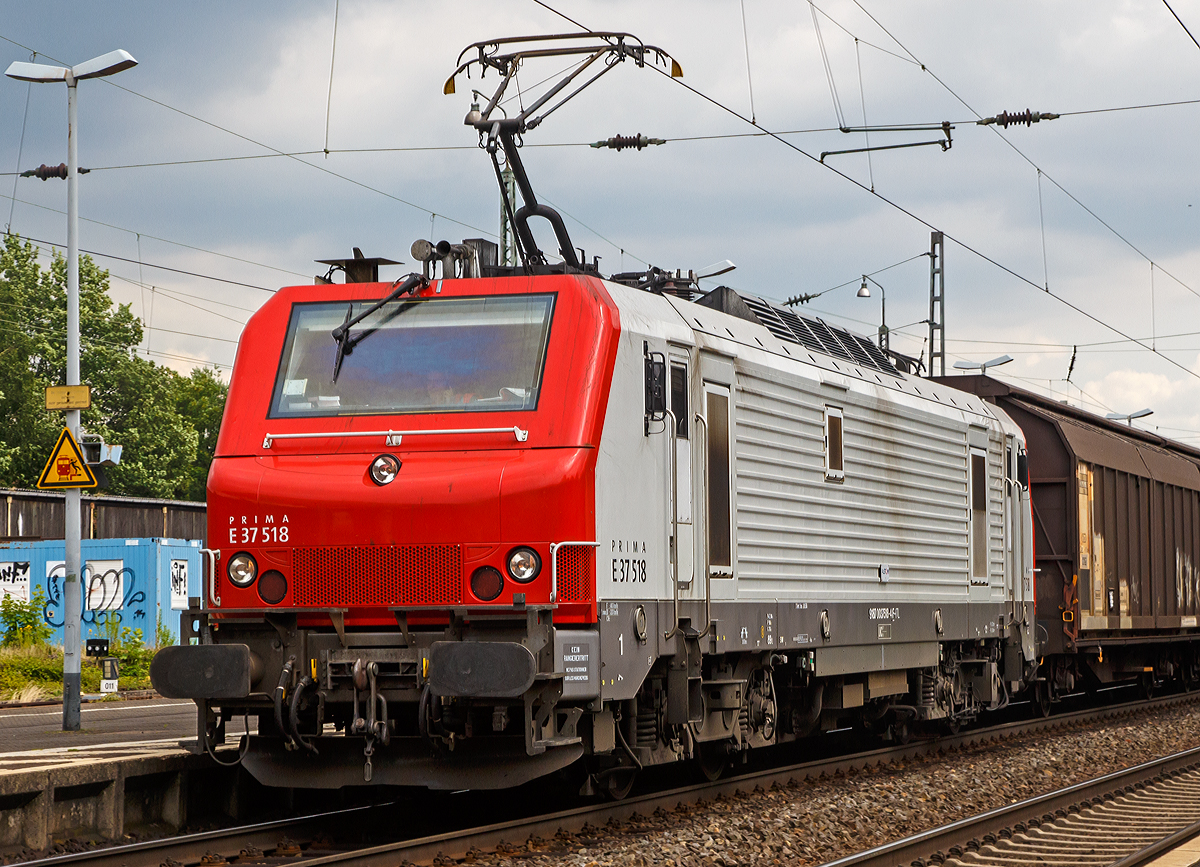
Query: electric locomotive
{"x": 489, "y": 521}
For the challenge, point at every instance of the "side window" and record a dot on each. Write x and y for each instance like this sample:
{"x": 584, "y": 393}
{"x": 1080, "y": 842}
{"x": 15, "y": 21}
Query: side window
{"x": 979, "y": 516}
{"x": 679, "y": 398}
{"x": 834, "y": 464}
{"x": 720, "y": 547}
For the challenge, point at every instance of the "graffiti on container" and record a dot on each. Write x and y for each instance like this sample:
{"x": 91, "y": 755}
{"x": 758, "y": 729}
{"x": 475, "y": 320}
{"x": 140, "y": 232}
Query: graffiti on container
{"x": 14, "y": 581}
{"x": 108, "y": 587}
{"x": 103, "y": 584}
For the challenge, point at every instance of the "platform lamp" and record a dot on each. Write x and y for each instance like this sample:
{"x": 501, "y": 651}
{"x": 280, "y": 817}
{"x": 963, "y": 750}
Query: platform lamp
{"x": 982, "y": 366}
{"x": 1129, "y": 417}
{"x": 97, "y": 67}
{"x": 864, "y": 291}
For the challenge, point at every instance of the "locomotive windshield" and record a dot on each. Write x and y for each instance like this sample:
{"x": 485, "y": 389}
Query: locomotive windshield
{"x": 416, "y": 356}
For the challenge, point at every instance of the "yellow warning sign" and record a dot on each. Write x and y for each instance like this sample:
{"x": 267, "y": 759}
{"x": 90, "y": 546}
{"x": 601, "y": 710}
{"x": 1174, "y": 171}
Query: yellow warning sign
{"x": 66, "y": 467}
{"x": 68, "y": 397}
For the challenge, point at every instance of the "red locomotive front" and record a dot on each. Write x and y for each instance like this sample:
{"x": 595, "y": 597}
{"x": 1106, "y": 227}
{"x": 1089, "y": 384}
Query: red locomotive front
{"x": 401, "y": 511}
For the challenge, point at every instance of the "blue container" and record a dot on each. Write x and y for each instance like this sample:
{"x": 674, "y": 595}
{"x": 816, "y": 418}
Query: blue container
{"x": 129, "y": 582}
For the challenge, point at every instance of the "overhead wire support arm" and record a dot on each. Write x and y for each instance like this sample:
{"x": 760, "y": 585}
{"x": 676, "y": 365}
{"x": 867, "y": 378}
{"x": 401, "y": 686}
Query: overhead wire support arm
{"x": 946, "y": 143}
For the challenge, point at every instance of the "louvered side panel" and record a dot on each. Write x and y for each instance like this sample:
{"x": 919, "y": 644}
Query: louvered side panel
{"x": 904, "y": 501}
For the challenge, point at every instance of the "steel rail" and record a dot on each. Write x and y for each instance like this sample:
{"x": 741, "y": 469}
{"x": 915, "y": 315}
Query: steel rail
{"x": 229, "y": 842}
{"x": 1145, "y": 856}
{"x": 153, "y": 853}
{"x": 967, "y": 832}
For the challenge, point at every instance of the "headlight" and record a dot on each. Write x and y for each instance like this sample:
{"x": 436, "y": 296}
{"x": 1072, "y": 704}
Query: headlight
{"x": 384, "y": 469}
{"x": 272, "y": 587}
{"x": 486, "y": 583}
{"x": 242, "y": 569}
{"x": 524, "y": 564}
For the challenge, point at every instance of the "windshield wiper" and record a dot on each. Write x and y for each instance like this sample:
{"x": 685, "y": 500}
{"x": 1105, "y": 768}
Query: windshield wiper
{"x": 412, "y": 284}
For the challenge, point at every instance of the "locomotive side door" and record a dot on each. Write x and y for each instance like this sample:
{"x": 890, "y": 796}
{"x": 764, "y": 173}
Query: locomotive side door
{"x": 978, "y": 518}
{"x": 679, "y": 385}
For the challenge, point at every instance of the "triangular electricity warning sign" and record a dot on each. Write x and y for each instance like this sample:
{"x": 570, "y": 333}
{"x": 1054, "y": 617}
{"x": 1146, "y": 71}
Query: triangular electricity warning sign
{"x": 66, "y": 467}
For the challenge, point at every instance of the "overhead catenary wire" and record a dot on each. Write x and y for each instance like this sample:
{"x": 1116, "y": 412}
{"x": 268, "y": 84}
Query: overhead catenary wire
{"x": 837, "y": 103}
{"x": 152, "y": 265}
{"x": 20, "y": 150}
{"x": 862, "y": 96}
{"x": 166, "y": 292}
{"x": 228, "y": 256}
{"x": 413, "y": 149}
{"x": 746, "y": 45}
{"x": 1042, "y": 221}
{"x": 996, "y": 130}
{"x": 911, "y": 214}
{"x": 332, "y": 58}
{"x": 1181, "y": 24}
{"x": 265, "y": 146}
{"x": 55, "y": 335}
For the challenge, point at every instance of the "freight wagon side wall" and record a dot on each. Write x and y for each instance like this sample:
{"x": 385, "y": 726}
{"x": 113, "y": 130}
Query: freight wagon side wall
{"x": 1117, "y": 523}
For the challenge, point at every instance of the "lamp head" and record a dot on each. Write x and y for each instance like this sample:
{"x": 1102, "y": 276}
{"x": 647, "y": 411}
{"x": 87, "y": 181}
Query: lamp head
{"x": 36, "y": 72}
{"x": 97, "y": 67}
{"x": 105, "y": 64}
{"x": 864, "y": 291}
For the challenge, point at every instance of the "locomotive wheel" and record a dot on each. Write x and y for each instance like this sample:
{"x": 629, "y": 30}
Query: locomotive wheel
{"x": 1042, "y": 697}
{"x": 901, "y": 732}
{"x": 1146, "y": 685}
{"x": 617, "y": 783}
{"x": 712, "y": 759}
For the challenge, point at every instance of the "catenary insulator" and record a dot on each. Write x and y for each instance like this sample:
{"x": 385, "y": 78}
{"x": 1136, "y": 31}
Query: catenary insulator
{"x": 1005, "y": 119}
{"x": 620, "y": 142}
{"x": 46, "y": 172}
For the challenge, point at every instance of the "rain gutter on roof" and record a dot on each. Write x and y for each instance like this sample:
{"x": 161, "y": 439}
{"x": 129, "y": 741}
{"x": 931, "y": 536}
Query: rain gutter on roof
{"x": 1112, "y": 450}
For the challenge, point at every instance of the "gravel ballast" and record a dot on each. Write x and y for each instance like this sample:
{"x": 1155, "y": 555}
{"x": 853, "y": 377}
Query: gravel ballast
{"x": 812, "y": 822}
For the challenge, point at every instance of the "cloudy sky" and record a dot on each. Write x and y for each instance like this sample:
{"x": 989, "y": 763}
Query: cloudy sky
{"x": 1100, "y": 207}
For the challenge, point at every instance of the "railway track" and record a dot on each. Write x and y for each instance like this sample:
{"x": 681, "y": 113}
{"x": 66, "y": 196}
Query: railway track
{"x": 328, "y": 838}
{"x": 1126, "y": 818}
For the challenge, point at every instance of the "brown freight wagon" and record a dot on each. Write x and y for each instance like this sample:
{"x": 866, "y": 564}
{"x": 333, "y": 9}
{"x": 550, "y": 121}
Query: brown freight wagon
{"x": 1116, "y": 515}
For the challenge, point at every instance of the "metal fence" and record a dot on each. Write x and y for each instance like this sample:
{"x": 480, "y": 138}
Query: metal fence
{"x": 33, "y": 515}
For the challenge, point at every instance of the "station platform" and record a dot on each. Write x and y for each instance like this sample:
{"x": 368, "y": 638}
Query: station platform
{"x": 1185, "y": 855}
{"x": 165, "y": 721}
{"x": 132, "y": 765}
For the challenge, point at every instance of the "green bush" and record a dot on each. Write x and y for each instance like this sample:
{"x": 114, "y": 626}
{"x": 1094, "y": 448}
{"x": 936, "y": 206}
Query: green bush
{"x": 23, "y": 622}
{"x": 31, "y": 666}
{"x": 128, "y": 646}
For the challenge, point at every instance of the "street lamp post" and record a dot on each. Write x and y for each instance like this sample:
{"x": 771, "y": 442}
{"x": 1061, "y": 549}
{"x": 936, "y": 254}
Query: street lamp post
{"x": 982, "y": 366}
{"x": 864, "y": 291}
{"x": 1128, "y": 417}
{"x": 97, "y": 67}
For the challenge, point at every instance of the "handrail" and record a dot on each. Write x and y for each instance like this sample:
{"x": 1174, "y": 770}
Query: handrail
{"x": 672, "y": 462}
{"x": 704, "y": 546}
{"x": 393, "y": 437}
{"x": 554, "y": 547}
{"x": 212, "y": 555}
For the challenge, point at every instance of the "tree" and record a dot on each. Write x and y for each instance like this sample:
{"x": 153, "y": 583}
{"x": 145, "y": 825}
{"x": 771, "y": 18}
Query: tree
{"x": 158, "y": 416}
{"x": 200, "y": 398}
